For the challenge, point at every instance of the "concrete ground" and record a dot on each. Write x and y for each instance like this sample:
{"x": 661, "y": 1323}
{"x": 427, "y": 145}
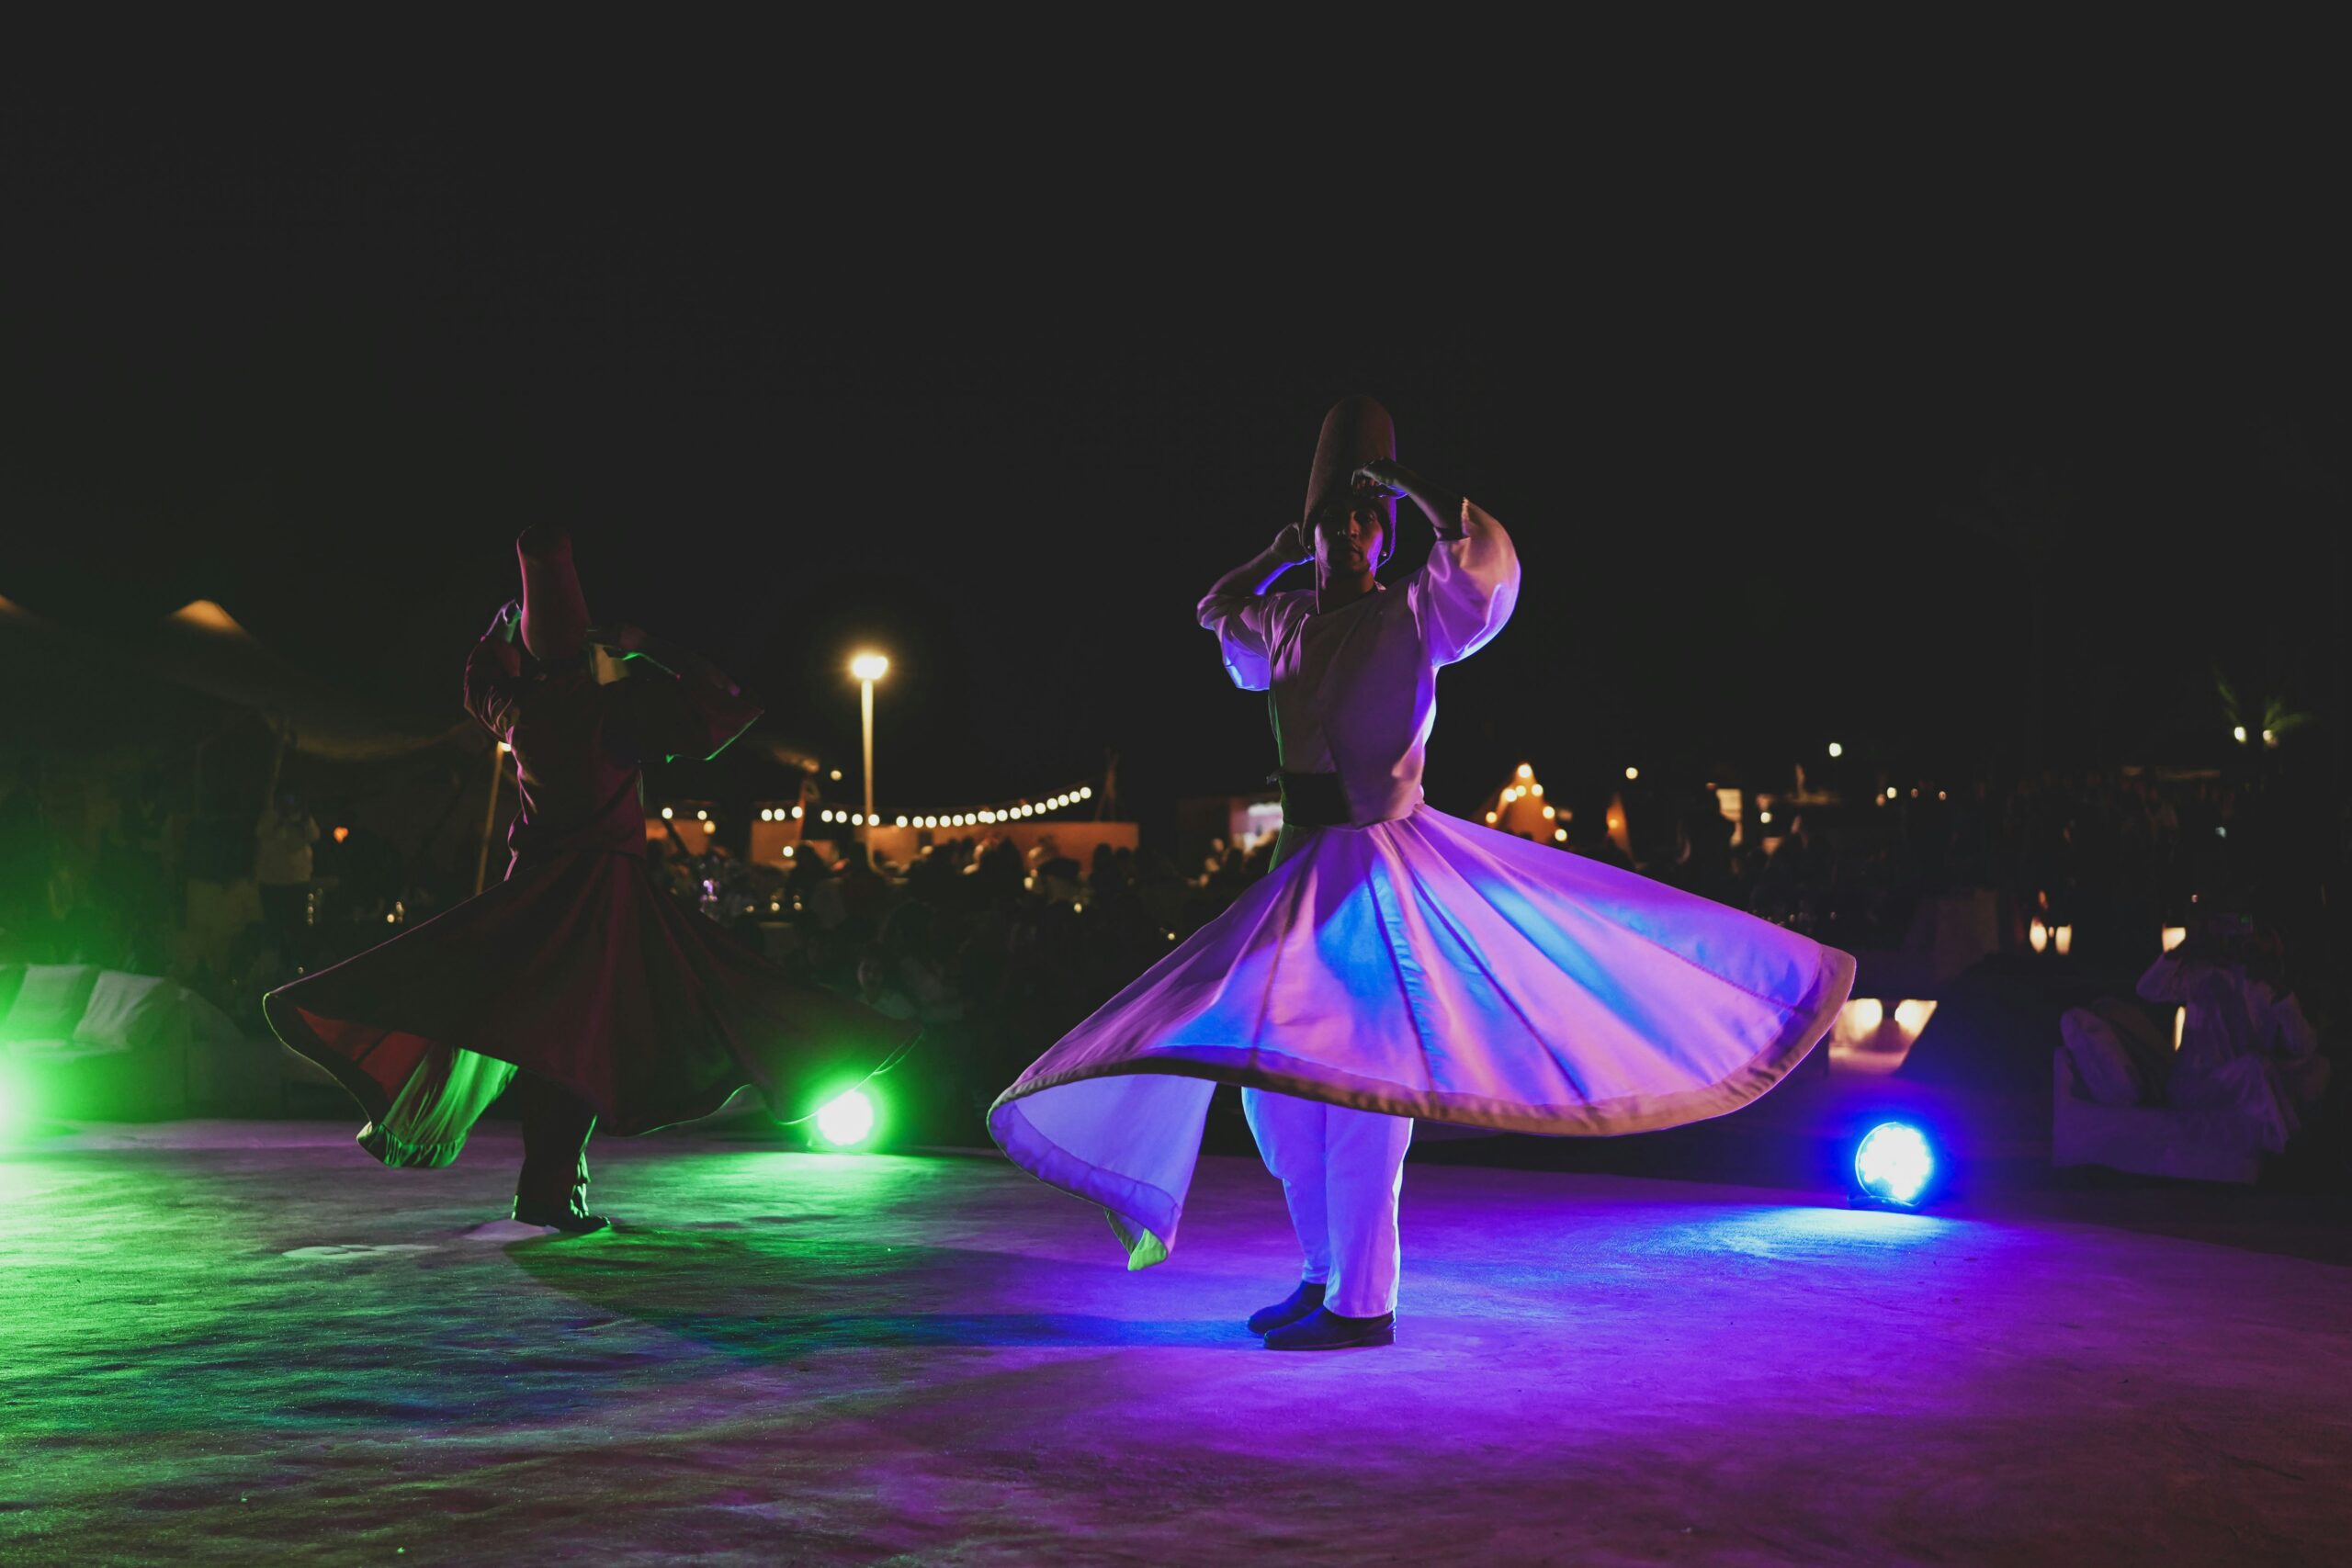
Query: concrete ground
{"x": 241, "y": 1342}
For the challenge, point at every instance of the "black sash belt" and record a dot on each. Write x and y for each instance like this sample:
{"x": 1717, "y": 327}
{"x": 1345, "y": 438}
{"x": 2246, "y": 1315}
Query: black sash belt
{"x": 1312, "y": 800}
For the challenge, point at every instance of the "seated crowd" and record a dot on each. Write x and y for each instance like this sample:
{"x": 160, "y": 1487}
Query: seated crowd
{"x": 999, "y": 950}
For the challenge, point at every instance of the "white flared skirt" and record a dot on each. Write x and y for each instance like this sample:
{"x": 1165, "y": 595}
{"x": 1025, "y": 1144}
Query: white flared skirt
{"x": 1423, "y": 967}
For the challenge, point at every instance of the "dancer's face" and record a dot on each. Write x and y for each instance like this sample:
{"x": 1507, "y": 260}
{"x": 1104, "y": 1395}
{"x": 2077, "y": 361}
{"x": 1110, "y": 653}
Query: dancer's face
{"x": 1349, "y": 541}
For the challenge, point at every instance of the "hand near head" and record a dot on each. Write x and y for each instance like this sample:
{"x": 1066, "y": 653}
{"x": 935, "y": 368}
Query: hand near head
{"x": 1393, "y": 479}
{"x": 505, "y": 655}
{"x": 1292, "y": 545}
{"x": 506, "y": 623}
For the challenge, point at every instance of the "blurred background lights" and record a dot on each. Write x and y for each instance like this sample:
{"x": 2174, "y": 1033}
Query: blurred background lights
{"x": 1836, "y": 750}
{"x": 869, "y": 666}
{"x": 1913, "y": 1016}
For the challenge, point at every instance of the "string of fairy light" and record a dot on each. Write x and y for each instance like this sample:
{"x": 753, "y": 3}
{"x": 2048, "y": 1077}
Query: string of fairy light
{"x": 1019, "y": 809}
{"x": 1525, "y": 784}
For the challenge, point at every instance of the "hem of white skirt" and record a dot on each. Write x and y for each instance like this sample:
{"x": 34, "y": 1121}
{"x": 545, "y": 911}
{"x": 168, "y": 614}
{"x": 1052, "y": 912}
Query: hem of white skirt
{"x": 1144, "y": 1217}
{"x": 1250, "y": 1067}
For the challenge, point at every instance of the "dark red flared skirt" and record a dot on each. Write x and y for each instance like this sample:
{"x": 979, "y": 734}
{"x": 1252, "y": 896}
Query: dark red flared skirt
{"x": 580, "y": 968}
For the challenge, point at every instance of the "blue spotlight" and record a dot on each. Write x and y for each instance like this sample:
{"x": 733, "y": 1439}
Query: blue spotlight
{"x": 1894, "y": 1166}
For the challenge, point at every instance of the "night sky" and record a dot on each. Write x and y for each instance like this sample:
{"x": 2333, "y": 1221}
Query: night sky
{"x": 1003, "y": 405}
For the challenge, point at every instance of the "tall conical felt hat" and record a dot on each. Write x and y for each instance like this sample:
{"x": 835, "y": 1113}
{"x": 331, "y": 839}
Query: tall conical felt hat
{"x": 555, "y": 614}
{"x": 1356, "y": 431}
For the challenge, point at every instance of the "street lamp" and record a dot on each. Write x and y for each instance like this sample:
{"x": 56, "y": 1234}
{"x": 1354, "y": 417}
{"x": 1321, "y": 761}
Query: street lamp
{"x": 868, "y": 668}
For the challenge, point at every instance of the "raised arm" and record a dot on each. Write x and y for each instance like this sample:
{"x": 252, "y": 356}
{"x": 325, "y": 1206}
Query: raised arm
{"x": 493, "y": 673}
{"x": 1443, "y": 507}
{"x": 1235, "y": 608}
{"x": 1469, "y": 587}
{"x": 1257, "y": 574}
{"x": 633, "y": 642}
{"x": 690, "y": 709}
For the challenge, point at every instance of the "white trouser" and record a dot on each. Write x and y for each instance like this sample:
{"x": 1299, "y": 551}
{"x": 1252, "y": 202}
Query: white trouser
{"x": 1342, "y": 1170}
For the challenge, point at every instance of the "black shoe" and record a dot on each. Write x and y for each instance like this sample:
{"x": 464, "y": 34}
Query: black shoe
{"x": 1329, "y": 1331}
{"x": 570, "y": 1218}
{"x": 1289, "y": 1310}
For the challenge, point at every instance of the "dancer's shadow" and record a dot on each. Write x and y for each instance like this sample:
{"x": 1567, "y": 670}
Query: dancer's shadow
{"x": 799, "y": 1290}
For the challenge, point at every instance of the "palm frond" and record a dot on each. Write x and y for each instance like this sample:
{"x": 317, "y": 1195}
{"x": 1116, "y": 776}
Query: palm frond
{"x": 2229, "y": 695}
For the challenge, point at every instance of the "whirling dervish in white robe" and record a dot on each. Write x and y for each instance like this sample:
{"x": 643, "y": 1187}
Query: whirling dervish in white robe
{"x": 1397, "y": 962}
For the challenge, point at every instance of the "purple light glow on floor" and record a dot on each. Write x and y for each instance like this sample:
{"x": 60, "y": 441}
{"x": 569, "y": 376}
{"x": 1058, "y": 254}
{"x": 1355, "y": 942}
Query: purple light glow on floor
{"x": 218, "y": 1352}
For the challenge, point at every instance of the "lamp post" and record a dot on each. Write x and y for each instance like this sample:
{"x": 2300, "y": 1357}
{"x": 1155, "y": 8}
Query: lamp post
{"x": 868, "y": 668}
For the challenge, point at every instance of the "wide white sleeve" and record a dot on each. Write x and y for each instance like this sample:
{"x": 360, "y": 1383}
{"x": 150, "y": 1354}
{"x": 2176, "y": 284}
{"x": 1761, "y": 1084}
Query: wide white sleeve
{"x": 1244, "y": 627}
{"x": 1465, "y": 593}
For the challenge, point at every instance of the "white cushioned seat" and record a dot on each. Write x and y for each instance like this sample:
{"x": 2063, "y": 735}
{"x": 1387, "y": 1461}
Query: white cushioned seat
{"x": 50, "y": 1002}
{"x": 126, "y": 1012}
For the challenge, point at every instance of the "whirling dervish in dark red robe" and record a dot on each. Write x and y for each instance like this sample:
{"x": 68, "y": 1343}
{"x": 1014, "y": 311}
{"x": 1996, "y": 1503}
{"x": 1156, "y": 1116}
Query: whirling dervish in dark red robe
{"x": 577, "y": 979}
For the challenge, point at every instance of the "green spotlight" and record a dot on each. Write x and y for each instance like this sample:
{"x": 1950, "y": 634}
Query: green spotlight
{"x": 847, "y": 1121}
